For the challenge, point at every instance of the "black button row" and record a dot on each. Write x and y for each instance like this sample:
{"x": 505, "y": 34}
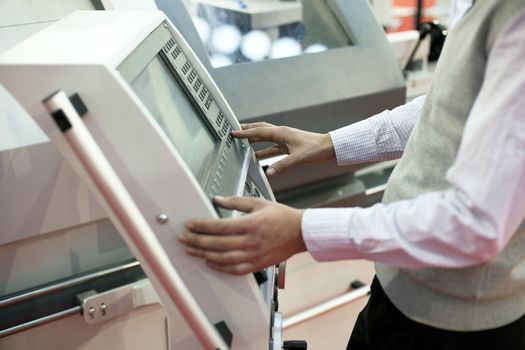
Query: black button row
{"x": 169, "y": 44}
{"x": 203, "y": 93}
{"x": 186, "y": 67}
{"x": 229, "y": 140}
{"x": 197, "y": 85}
{"x": 176, "y": 52}
{"x": 208, "y": 103}
{"x": 192, "y": 76}
{"x": 219, "y": 119}
{"x": 225, "y": 129}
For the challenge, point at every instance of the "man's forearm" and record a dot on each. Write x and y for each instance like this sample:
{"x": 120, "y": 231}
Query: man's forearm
{"x": 380, "y": 137}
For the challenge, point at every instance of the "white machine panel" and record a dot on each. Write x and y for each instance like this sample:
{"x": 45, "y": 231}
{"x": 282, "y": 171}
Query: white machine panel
{"x": 161, "y": 129}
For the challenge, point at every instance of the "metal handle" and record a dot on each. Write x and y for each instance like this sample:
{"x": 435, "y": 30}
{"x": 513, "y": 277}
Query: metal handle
{"x": 139, "y": 235}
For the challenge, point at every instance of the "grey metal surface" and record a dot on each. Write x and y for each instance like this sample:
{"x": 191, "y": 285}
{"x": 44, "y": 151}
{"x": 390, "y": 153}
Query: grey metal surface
{"x": 255, "y": 13}
{"x": 361, "y": 188}
{"x": 320, "y": 91}
{"x": 325, "y": 26}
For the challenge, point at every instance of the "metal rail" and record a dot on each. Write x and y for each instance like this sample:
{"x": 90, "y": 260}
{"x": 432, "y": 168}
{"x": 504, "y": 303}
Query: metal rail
{"x": 39, "y": 321}
{"x": 35, "y": 293}
{"x": 326, "y": 306}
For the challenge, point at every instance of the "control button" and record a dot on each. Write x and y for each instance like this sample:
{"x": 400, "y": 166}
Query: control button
{"x": 208, "y": 102}
{"x": 229, "y": 140}
{"x": 203, "y": 94}
{"x": 219, "y": 119}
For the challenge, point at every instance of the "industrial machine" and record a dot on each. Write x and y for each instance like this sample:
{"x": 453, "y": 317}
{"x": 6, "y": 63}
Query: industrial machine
{"x": 56, "y": 242}
{"x": 153, "y": 146}
{"x": 311, "y": 64}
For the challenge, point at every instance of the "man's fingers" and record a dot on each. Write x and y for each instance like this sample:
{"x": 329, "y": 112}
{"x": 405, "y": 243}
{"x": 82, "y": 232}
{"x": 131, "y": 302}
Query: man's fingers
{"x": 260, "y": 134}
{"x": 229, "y": 257}
{"x": 227, "y": 226}
{"x": 269, "y": 152}
{"x": 234, "y": 269}
{"x": 217, "y": 243}
{"x": 246, "y": 126}
{"x": 280, "y": 166}
{"x": 244, "y": 204}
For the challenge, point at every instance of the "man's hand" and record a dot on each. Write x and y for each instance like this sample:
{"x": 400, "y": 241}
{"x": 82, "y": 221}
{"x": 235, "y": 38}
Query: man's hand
{"x": 268, "y": 235}
{"x": 301, "y": 146}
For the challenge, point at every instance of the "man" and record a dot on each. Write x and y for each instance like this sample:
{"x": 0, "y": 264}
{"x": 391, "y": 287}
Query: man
{"x": 449, "y": 237}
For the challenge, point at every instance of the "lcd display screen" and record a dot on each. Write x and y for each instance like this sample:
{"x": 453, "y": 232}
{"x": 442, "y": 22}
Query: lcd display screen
{"x": 170, "y": 106}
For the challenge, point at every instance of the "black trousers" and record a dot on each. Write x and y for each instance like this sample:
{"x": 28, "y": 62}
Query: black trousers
{"x": 381, "y": 326}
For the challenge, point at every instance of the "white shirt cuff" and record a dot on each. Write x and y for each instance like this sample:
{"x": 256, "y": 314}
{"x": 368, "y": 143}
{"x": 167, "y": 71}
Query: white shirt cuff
{"x": 354, "y": 144}
{"x": 326, "y": 234}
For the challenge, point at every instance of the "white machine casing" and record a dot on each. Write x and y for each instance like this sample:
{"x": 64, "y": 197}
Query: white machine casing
{"x": 80, "y": 54}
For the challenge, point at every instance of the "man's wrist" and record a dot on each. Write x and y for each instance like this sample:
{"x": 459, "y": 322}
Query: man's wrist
{"x": 300, "y": 245}
{"x": 327, "y": 147}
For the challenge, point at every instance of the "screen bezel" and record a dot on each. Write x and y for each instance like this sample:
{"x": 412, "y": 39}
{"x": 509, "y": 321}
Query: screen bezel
{"x": 195, "y": 113}
{"x": 135, "y": 63}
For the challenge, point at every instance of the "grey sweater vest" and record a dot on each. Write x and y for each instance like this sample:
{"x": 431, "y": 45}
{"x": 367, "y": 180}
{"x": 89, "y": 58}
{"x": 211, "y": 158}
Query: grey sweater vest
{"x": 484, "y": 296}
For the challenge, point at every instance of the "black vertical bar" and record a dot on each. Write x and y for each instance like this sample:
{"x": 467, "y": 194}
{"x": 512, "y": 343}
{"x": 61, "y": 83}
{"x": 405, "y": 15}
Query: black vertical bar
{"x": 419, "y": 14}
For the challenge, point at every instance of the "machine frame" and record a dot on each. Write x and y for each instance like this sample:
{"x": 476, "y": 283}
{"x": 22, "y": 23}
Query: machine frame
{"x": 91, "y": 46}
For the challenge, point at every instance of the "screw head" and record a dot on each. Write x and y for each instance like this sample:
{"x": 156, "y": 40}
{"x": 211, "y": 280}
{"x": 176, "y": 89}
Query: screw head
{"x": 103, "y": 308}
{"x": 91, "y": 312}
{"x": 162, "y": 218}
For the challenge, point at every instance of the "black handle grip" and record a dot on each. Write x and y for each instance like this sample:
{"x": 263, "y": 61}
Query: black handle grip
{"x": 295, "y": 344}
